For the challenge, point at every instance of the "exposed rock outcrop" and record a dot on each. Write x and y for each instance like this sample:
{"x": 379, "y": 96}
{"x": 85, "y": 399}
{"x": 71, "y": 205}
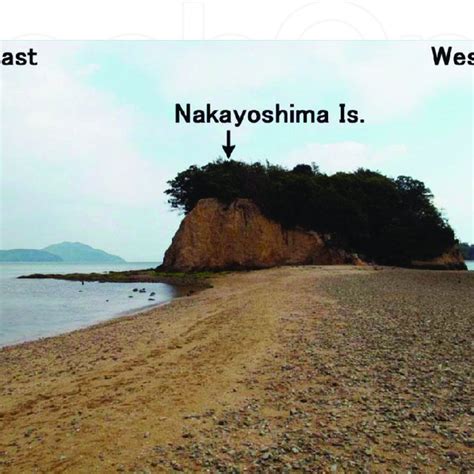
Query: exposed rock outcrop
{"x": 214, "y": 236}
{"x": 450, "y": 260}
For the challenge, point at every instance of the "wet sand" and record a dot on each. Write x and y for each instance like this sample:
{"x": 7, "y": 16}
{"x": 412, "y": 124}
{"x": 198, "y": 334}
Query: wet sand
{"x": 309, "y": 368}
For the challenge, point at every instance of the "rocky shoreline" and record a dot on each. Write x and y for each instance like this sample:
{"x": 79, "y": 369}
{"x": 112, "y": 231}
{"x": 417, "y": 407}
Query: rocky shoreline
{"x": 151, "y": 275}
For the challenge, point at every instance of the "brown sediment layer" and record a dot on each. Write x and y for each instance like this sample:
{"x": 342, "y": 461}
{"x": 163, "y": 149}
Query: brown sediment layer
{"x": 216, "y": 236}
{"x": 452, "y": 259}
{"x": 306, "y": 368}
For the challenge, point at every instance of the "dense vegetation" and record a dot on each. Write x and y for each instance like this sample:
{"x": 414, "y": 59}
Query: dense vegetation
{"x": 388, "y": 220}
{"x": 467, "y": 251}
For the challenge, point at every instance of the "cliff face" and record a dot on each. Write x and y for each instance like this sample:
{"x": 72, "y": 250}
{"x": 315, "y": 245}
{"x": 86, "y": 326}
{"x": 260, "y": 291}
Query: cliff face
{"x": 450, "y": 260}
{"x": 214, "y": 236}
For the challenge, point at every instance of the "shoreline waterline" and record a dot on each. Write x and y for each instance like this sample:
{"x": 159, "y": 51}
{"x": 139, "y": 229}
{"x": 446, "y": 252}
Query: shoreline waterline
{"x": 91, "y": 326}
{"x": 109, "y": 315}
{"x": 256, "y": 352}
{"x": 32, "y": 309}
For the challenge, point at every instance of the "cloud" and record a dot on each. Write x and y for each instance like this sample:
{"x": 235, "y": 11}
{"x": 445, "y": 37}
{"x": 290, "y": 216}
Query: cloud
{"x": 70, "y": 159}
{"x": 345, "y": 156}
{"x": 78, "y": 139}
{"x": 382, "y": 80}
{"x": 391, "y": 80}
{"x": 221, "y": 71}
{"x": 71, "y": 153}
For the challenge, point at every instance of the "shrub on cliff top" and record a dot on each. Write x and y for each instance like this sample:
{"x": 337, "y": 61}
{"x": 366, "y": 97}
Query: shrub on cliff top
{"x": 392, "y": 221}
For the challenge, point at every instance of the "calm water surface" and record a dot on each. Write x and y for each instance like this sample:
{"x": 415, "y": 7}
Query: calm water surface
{"x": 30, "y": 309}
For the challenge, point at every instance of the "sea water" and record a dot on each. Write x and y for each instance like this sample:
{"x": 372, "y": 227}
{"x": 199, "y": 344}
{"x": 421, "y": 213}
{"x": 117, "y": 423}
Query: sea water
{"x": 31, "y": 309}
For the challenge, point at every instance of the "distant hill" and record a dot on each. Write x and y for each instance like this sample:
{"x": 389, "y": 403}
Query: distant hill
{"x": 77, "y": 252}
{"x": 28, "y": 255}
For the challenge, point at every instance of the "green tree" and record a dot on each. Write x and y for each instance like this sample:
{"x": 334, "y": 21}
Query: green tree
{"x": 388, "y": 220}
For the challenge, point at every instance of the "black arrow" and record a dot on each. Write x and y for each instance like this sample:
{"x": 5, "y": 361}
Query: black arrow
{"x": 228, "y": 148}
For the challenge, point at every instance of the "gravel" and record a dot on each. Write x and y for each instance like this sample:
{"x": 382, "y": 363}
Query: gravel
{"x": 374, "y": 374}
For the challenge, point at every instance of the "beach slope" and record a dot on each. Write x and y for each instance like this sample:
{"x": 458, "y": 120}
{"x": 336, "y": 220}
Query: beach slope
{"x": 307, "y": 368}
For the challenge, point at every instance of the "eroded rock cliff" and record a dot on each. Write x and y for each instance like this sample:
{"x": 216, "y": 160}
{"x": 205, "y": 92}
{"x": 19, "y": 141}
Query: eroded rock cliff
{"x": 214, "y": 236}
{"x": 452, "y": 259}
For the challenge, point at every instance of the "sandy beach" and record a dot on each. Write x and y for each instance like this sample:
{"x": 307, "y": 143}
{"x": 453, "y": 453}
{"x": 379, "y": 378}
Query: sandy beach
{"x": 330, "y": 369}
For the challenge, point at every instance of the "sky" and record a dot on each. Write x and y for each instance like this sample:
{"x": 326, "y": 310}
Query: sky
{"x": 88, "y": 137}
